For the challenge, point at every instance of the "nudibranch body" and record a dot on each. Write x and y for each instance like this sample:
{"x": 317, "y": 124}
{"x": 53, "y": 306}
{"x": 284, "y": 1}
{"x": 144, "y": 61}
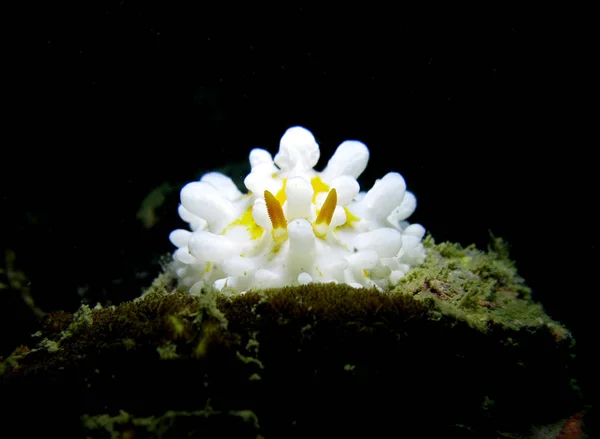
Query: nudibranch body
{"x": 297, "y": 225}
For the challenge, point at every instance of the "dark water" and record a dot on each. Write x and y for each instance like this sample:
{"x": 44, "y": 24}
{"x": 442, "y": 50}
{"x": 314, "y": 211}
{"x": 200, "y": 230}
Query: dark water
{"x": 115, "y": 99}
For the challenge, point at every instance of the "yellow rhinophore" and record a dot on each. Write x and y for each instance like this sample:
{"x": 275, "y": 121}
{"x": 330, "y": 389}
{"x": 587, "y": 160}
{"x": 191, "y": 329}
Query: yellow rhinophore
{"x": 277, "y": 218}
{"x": 321, "y": 224}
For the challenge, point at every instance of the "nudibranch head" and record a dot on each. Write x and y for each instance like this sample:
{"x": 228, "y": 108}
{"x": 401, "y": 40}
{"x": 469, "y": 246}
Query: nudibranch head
{"x": 297, "y": 225}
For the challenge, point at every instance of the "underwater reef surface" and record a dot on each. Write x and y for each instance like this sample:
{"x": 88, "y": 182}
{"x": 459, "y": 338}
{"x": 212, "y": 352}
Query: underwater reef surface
{"x": 457, "y": 349}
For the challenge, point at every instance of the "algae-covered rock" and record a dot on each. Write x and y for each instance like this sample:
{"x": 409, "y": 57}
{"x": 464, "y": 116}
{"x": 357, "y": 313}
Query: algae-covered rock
{"x": 458, "y": 348}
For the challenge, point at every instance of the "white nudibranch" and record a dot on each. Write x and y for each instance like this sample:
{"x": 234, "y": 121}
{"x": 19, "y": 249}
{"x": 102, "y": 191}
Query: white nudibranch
{"x": 297, "y": 225}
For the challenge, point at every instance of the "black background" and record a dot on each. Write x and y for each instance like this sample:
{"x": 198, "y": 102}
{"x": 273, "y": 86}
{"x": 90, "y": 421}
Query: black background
{"x": 108, "y": 100}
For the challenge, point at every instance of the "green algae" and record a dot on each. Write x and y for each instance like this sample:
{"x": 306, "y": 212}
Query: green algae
{"x": 461, "y": 326}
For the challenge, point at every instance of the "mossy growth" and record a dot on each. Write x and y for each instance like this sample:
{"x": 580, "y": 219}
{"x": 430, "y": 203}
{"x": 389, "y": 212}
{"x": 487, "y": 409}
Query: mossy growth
{"x": 457, "y": 348}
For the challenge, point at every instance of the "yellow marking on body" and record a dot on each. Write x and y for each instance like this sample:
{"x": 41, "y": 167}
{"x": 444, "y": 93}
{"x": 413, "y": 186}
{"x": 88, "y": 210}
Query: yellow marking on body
{"x": 207, "y": 268}
{"x": 366, "y": 274}
{"x": 247, "y": 220}
{"x": 321, "y": 224}
{"x": 281, "y": 196}
{"x": 274, "y": 250}
{"x": 350, "y": 219}
{"x": 318, "y": 186}
{"x": 277, "y": 218}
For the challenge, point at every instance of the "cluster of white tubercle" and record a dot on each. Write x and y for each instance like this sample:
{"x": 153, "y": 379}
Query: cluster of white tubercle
{"x": 297, "y": 225}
